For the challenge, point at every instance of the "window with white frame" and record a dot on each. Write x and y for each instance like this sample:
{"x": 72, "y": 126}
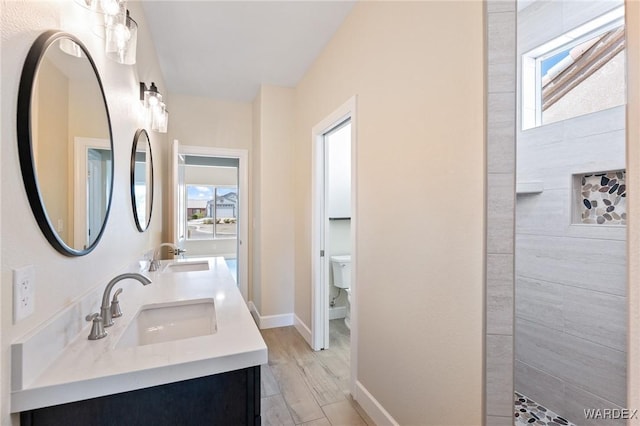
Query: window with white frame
{"x": 580, "y": 72}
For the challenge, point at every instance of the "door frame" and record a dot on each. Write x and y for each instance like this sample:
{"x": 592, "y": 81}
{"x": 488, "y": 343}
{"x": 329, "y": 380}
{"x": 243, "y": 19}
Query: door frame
{"x": 319, "y": 220}
{"x": 243, "y": 212}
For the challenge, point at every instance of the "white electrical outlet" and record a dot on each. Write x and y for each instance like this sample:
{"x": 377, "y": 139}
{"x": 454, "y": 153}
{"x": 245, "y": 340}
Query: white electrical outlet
{"x": 24, "y": 290}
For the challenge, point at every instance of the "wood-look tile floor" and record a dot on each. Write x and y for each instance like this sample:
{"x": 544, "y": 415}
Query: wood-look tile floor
{"x": 303, "y": 387}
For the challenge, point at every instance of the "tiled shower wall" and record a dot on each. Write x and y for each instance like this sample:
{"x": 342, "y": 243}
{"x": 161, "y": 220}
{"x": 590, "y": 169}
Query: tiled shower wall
{"x": 570, "y": 277}
{"x": 500, "y": 204}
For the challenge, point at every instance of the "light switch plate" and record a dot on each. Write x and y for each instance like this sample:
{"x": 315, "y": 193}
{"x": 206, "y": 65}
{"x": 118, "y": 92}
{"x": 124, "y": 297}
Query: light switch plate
{"x": 24, "y": 281}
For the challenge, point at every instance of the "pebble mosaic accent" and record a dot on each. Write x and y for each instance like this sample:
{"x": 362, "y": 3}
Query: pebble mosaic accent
{"x": 604, "y": 199}
{"x": 528, "y": 412}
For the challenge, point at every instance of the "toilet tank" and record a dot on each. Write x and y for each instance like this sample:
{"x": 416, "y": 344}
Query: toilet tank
{"x": 341, "y": 266}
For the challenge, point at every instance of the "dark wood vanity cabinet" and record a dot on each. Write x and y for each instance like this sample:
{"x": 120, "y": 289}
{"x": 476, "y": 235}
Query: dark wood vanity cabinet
{"x": 231, "y": 398}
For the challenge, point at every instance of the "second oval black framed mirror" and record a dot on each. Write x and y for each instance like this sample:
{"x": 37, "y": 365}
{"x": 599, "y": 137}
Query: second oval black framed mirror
{"x": 141, "y": 179}
{"x": 65, "y": 143}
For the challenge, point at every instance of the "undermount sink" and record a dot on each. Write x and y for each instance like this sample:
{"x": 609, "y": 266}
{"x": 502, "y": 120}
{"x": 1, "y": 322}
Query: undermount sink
{"x": 165, "y": 322}
{"x": 187, "y": 266}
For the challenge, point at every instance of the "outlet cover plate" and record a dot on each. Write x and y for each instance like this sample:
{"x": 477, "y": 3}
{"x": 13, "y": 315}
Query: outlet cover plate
{"x": 24, "y": 281}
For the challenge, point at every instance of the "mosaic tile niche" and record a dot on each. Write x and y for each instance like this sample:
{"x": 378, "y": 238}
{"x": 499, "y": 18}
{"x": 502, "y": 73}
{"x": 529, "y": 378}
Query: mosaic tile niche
{"x": 603, "y": 198}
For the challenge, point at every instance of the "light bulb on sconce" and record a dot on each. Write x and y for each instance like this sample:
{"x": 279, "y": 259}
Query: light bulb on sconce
{"x": 106, "y": 7}
{"x": 156, "y": 113}
{"x": 121, "y": 35}
{"x": 160, "y": 118}
{"x": 112, "y": 7}
{"x": 120, "y": 30}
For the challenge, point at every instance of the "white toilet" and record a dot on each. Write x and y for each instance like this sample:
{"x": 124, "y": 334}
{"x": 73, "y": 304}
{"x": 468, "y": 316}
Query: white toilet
{"x": 341, "y": 266}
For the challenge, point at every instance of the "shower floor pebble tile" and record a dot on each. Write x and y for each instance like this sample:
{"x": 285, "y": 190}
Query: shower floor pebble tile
{"x": 528, "y": 412}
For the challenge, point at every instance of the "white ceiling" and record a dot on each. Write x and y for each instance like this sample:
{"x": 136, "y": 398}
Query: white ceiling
{"x": 227, "y": 49}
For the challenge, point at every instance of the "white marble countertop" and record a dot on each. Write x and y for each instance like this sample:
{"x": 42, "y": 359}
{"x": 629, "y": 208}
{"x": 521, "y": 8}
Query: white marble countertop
{"x": 88, "y": 369}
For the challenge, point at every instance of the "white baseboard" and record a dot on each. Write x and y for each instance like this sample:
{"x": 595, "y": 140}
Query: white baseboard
{"x": 269, "y": 321}
{"x": 372, "y": 407}
{"x": 302, "y": 329}
{"x": 254, "y": 312}
{"x": 337, "y": 312}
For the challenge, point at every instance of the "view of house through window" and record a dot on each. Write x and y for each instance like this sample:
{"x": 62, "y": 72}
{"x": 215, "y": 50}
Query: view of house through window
{"x": 578, "y": 73}
{"x": 212, "y": 212}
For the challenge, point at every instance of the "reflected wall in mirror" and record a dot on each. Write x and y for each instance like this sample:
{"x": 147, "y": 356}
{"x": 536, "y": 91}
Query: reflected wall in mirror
{"x": 65, "y": 143}
{"x": 141, "y": 180}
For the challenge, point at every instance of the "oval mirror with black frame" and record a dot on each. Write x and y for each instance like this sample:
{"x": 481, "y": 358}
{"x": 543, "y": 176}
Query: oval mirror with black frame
{"x": 141, "y": 180}
{"x": 65, "y": 143}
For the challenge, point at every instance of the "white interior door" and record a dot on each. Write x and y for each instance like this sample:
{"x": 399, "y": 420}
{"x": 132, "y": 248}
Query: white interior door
{"x": 90, "y": 188}
{"x": 95, "y": 205}
{"x": 178, "y": 222}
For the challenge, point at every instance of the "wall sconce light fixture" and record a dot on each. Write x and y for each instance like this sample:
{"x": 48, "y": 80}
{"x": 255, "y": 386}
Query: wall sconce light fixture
{"x": 157, "y": 115}
{"x": 121, "y": 35}
{"x": 120, "y": 30}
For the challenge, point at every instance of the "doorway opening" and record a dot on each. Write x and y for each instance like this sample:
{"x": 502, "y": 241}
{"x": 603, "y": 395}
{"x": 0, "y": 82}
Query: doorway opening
{"x": 211, "y": 214}
{"x": 334, "y": 319}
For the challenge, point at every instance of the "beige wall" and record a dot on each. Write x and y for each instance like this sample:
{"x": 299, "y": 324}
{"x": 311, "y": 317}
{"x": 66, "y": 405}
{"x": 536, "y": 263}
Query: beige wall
{"x": 417, "y": 70}
{"x": 273, "y": 201}
{"x": 52, "y": 98}
{"x": 60, "y": 280}
{"x": 632, "y": 17}
{"x": 208, "y": 122}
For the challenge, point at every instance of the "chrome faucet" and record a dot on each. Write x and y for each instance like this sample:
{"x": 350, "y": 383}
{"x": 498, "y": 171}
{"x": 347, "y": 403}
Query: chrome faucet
{"x": 105, "y": 317}
{"x": 105, "y": 308}
{"x": 155, "y": 262}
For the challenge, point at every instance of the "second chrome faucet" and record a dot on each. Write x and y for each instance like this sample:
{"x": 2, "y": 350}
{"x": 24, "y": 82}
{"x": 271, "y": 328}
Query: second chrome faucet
{"x": 155, "y": 262}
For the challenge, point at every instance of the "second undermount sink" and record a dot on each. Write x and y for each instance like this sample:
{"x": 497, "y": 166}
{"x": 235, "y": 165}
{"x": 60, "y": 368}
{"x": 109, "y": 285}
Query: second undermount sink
{"x": 187, "y": 266}
{"x": 165, "y": 322}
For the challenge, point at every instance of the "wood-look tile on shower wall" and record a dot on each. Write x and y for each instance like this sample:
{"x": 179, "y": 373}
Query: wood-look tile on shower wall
{"x": 499, "y": 375}
{"x": 550, "y": 213}
{"x": 605, "y": 121}
{"x": 502, "y": 44}
{"x": 500, "y": 294}
{"x": 501, "y": 108}
{"x": 499, "y": 421}
{"x": 590, "y": 366}
{"x": 595, "y": 368}
{"x": 500, "y": 213}
{"x": 552, "y": 161}
{"x": 500, "y": 307}
{"x": 540, "y": 14}
{"x": 500, "y": 267}
{"x": 536, "y": 347}
{"x": 598, "y": 265}
{"x": 501, "y": 78}
{"x": 540, "y": 302}
{"x": 539, "y": 385}
{"x": 575, "y": 13}
{"x": 595, "y": 316}
{"x": 577, "y": 400}
{"x": 500, "y": 6}
{"x": 501, "y": 148}
{"x": 500, "y": 201}
{"x": 546, "y": 213}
